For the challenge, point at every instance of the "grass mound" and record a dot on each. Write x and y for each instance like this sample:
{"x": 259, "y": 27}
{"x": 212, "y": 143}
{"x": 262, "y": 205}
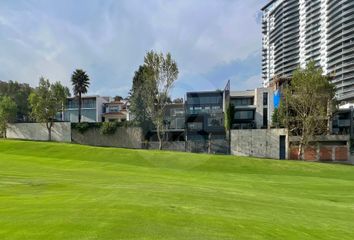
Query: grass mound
{"x": 66, "y": 191}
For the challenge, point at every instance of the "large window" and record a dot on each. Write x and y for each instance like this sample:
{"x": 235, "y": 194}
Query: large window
{"x": 205, "y": 100}
{"x": 86, "y": 103}
{"x": 244, "y": 115}
{"x": 265, "y": 117}
{"x": 242, "y": 101}
{"x": 114, "y": 109}
{"x": 176, "y": 123}
{"x": 215, "y": 122}
{"x": 209, "y": 109}
{"x": 72, "y": 103}
{"x": 177, "y": 112}
{"x": 195, "y": 126}
{"x": 89, "y": 103}
{"x": 265, "y": 99}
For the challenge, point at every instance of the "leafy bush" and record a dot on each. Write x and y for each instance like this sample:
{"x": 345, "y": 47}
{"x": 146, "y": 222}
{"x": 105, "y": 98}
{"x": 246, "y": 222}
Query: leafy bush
{"x": 81, "y": 127}
{"x": 108, "y": 128}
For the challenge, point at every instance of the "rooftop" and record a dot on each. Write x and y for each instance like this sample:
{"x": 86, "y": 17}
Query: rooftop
{"x": 205, "y": 92}
{"x": 116, "y": 103}
{"x": 90, "y": 96}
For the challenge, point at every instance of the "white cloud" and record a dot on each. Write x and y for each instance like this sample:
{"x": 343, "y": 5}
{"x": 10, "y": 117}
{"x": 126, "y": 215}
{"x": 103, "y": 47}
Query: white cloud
{"x": 110, "y": 38}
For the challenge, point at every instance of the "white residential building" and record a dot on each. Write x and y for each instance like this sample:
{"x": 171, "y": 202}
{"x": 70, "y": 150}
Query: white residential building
{"x": 91, "y": 109}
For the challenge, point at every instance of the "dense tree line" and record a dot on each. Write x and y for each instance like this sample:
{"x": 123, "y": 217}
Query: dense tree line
{"x": 21, "y": 103}
{"x": 19, "y": 93}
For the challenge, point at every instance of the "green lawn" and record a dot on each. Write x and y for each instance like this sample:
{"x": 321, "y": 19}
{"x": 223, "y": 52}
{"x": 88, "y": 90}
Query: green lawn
{"x": 64, "y": 191}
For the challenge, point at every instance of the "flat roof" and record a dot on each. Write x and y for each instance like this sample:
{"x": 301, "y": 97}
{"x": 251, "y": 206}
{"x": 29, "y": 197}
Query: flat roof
{"x": 115, "y": 103}
{"x": 206, "y": 92}
{"x": 89, "y": 96}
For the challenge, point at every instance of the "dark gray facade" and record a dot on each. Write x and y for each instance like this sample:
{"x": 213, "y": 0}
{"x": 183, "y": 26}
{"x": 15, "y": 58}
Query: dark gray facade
{"x": 205, "y": 115}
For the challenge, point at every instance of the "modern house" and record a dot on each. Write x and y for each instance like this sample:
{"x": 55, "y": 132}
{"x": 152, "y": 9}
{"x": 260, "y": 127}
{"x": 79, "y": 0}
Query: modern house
{"x": 174, "y": 120}
{"x": 91, "y": 109}
{"x": 116, "y": 111}
{"x": 253, "y": 108}
{"x": 205, "y": 115}
{"x": 296, "y": 31}
{"x": 175, "y": 116}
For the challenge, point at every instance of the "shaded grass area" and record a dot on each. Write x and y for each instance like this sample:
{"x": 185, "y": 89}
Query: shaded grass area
{"x": 67, "y": 191}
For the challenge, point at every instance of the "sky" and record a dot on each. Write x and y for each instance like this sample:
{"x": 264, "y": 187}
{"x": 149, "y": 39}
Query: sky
{"x": 212, "y": 41}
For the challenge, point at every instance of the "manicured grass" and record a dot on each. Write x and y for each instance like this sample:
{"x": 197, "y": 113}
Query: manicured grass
{"x": 63, "y": 191}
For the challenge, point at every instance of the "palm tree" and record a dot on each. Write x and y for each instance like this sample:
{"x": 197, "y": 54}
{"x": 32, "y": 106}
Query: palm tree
{"x": 80, "y": 81}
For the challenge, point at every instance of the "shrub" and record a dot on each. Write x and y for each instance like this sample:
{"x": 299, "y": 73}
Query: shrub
{"x": 108, "y": 128}
{"x": 81, "y": 127}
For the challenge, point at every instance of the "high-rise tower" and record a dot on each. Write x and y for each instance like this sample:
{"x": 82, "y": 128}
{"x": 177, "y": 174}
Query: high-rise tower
{"x": 296, "y": 31}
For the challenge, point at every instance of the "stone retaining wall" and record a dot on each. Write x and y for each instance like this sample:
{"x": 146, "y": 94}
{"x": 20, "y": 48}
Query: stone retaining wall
{"x": 124, "y": 137}
{"x": 263, "y": 143}
{"x": 170, "y": 146}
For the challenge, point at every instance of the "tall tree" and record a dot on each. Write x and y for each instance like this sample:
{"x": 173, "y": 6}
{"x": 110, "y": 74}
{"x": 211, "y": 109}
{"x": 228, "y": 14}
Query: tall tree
{"x": 81, "y": 82}
{"x": 308, "y": 100}
{"x": 46, "y": 101}
{"x": 8, "y": 111}
{"x": 165, "y": 72}
{"x": 142, "y": 94}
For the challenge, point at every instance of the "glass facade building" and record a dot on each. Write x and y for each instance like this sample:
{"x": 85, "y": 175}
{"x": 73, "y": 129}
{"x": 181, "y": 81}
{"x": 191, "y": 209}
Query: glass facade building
{"x": 204, "y": 114}
{"x": 92, "y": 109}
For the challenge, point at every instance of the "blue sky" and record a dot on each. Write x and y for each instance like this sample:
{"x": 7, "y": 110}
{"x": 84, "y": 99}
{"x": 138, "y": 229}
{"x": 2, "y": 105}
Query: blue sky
{"x": 211, "y": 40}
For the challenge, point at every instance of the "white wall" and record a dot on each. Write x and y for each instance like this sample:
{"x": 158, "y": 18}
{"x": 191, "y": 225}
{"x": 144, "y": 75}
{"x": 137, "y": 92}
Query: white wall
{"x": 259, "y": 106}
{"x": 99, "y": 107}
{"x": 61, "y": 131}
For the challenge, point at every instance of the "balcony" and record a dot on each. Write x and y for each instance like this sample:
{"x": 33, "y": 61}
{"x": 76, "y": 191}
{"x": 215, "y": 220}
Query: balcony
{"x": 204, "y": 111}
{"x": 344, "y": 123}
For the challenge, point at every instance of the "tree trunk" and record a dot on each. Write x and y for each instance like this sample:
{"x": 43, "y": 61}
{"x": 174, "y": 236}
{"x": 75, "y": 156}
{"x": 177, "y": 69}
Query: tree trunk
{"x": 209, "y": 143}
{"x": 49, "y": 127}
{"x": 301, "y": 150}
{"x": 49, "y": 134}
{"x": 159, "y": 136}
{"x": 329, "y": 117}
{"x": 229, "y": 140}
{"x": 79, "y": 114}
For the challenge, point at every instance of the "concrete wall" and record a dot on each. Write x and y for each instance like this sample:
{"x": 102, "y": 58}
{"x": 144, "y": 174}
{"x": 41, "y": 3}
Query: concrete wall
{"x": 124, "y": 137}
{"x": 262, "y": 143}
{"x": 170, "y": 146}
{"x": 100, "y": 101}
{"x": 217, "y": 146}
{"x": 61, "y": 131}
